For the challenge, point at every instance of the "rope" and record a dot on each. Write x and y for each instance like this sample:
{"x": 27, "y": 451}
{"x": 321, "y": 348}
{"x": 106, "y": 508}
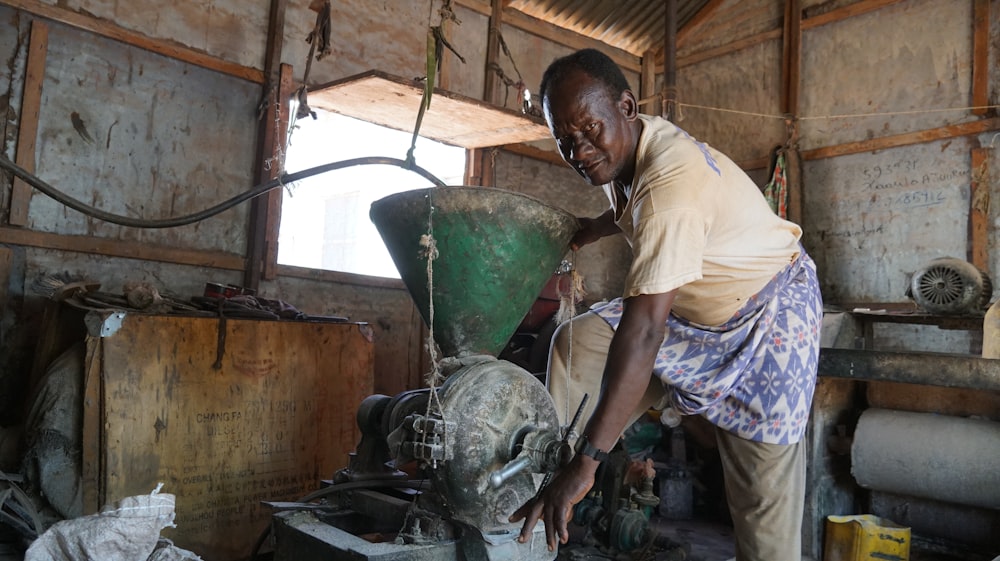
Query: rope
{"x": 567, "y": 310}
{"x": 433, "y": 377}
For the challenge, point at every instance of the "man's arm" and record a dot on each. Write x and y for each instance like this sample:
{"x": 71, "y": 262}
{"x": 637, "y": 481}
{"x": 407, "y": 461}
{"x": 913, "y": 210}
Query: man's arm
{"x": 593, "y": 229}
{"x": 627, "y": 373}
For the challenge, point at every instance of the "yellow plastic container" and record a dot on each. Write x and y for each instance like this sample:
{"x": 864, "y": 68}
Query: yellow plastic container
{"x": 863, "y": 537}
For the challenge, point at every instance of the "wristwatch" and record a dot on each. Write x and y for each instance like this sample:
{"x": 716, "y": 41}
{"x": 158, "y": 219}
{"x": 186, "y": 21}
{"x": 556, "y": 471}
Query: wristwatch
{"x": 583, "y": 446}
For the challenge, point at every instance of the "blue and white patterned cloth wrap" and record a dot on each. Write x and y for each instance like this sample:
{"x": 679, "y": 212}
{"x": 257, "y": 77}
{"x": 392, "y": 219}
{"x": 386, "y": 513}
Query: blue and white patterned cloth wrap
{"x": 753, "y": 376}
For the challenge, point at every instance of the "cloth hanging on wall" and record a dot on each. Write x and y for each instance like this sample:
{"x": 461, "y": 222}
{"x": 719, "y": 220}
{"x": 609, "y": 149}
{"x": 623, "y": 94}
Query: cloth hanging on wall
{"x": 776, "y": 189}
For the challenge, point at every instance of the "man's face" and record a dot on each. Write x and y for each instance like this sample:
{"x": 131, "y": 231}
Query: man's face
{"x": 591, "y": 128}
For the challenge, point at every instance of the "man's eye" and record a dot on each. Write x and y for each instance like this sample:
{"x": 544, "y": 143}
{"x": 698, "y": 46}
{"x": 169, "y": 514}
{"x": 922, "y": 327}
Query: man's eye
{"x": 590, "y": 128}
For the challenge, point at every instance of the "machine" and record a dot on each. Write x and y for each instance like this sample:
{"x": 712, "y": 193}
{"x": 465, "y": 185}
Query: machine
{"x": 439, "y": 471}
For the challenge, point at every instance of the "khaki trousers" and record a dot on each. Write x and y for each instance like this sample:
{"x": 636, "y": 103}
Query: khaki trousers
{"x": 765, "y": 483}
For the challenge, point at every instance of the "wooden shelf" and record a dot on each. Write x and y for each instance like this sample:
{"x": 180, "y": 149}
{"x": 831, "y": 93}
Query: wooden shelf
{"x": 393, "y": 102}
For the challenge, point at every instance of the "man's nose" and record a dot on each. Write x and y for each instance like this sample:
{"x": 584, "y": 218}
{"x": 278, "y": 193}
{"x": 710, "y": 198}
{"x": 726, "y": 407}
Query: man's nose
{"x": 579, "y": 149}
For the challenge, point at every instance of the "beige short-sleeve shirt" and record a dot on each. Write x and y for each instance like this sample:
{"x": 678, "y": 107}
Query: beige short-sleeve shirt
{"x": 698, "y": 224}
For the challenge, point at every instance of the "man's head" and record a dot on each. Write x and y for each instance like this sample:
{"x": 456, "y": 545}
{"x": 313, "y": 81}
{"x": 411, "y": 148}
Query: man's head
{"x": 592, "y": 114}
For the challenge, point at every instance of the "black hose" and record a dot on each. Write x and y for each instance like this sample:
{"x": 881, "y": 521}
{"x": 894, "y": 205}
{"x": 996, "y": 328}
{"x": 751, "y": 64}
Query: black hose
{"x": 286, "y": 178}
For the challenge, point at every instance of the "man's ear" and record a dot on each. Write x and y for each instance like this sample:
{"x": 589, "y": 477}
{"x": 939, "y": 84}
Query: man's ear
{"x": 628, "y": 105}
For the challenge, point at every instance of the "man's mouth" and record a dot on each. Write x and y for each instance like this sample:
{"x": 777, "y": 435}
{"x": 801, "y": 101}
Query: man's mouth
{"x": 590, "y": 168}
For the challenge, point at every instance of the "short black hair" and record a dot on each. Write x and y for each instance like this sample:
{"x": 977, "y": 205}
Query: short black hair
{"x": 594, "y": 63}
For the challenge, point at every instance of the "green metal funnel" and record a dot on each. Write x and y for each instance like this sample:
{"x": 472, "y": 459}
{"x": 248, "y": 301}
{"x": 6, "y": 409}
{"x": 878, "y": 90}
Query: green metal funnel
{"x": 495, "y": 251}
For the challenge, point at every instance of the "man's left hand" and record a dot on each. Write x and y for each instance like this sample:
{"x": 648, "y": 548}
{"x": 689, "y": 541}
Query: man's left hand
{"x": 555, "y": 505}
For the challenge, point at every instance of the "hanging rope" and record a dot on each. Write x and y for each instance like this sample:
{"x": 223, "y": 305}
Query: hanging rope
{"x": 567, "y": 311}
{"x": 318, "y": 39}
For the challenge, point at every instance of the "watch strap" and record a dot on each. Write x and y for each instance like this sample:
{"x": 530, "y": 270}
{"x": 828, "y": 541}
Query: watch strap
{"x": 583, "y": 446}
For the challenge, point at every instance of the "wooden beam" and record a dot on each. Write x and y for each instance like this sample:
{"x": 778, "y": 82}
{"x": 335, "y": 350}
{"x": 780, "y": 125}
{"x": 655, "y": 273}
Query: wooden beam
{"x": 159, "y": 46}
{"x": 27, "y": 132}
{"x": 847, "y": 12}
{"x": 979, "y": 209}
{"x": 564, "y": 37}
{"x": 121, "y": 248}
{"x": 535, "y": 153}
{"x": 981, "y": 58}
{"x": 322, "y": 275}
{"x": 905, "y": 139}
{"x": 885, "y": 143}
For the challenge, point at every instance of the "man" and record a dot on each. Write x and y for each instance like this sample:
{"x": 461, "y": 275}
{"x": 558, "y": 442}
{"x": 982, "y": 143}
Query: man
{"x": 721, "y": 305}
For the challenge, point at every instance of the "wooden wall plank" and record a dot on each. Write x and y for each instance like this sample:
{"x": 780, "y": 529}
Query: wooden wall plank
{"x": 849, "y": 11}
{"x": 121, "y": 248}
{"x": 158, "y": 46}
{"x": 852, "y": 10}
{"x": 905, "y": 139}
{"x": 27, "y": 133}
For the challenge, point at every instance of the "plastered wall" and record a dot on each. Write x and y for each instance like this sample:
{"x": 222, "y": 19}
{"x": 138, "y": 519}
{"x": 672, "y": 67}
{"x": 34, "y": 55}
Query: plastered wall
{"x": 167, "y": 137}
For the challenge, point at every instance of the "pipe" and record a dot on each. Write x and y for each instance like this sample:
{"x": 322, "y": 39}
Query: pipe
{"x": 258, "y": 190}
{"x": 931, "y": 369}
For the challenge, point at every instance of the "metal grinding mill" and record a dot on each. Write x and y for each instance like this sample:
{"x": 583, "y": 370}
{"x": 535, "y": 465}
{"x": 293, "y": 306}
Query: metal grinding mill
{"x": 474, "y": 260}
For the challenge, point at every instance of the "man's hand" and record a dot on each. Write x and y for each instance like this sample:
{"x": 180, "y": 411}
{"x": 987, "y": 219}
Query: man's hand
{"x": 555, "y": 505}
{"x": 593, "y": 229}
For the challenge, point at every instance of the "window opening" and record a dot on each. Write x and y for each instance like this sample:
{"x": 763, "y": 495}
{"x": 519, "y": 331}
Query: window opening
{"x": 324, "y": 218}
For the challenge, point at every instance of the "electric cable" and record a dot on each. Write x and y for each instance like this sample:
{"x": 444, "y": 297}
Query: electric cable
{"x": 283, "y": 179}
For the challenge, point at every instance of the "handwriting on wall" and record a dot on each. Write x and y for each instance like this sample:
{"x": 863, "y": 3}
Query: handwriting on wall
{"x": 889, "y": 190}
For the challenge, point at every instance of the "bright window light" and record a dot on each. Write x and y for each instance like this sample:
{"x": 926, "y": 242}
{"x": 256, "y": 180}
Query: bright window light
{"x": 324, "y": 218}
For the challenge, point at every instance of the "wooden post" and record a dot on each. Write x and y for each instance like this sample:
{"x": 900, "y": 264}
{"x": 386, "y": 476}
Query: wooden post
{"x": 493, "y": 52}
{"x": 981, "y": 58}
{"x": 27, "y": 133}
{"x": 479, "y": 165}
{"x": 647, "y": 80}
{"x": 791, "y": 59}
{"x": 791, "y": 66}
{"x": 265, "y": 210}
{"x": 979, "y": 209}
{"x": 669, "y": 108}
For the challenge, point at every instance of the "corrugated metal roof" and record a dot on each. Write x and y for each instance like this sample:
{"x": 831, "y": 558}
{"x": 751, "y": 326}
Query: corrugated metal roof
{"x": 634, "y": 26}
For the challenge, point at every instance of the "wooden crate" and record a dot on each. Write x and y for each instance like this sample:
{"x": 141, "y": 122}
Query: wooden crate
{"x": 261, "y": 411}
